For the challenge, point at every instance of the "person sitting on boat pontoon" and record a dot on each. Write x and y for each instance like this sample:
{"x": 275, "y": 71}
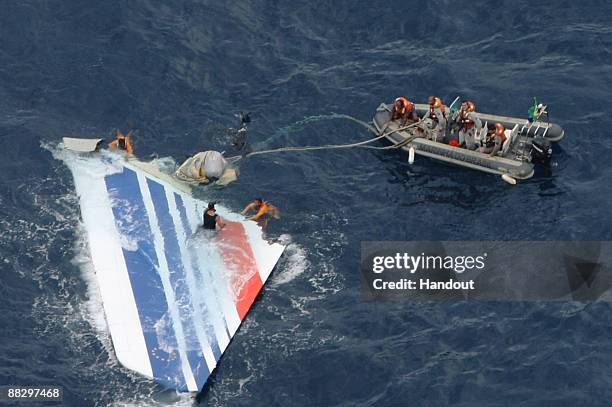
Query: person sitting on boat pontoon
{"x": 494, "y": 140}
{"x": 435, "y": 119}
{"x": 403, "y": 109}
{"x": 122, "y": 142}
{"x": 469, "y": 125}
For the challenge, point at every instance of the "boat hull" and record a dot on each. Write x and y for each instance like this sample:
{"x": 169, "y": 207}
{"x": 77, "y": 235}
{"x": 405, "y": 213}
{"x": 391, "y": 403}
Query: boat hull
{"x": 517, "y": 166}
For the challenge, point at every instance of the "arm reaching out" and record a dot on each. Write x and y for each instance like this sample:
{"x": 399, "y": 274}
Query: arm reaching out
{"x": 248, "y": 207}
{"x": 267, "y": 209}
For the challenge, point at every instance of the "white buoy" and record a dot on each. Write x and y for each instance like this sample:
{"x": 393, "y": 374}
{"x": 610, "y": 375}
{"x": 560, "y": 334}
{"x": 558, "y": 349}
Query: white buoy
{"x": 411, "y": 155}
{"x": 509, "y": 179}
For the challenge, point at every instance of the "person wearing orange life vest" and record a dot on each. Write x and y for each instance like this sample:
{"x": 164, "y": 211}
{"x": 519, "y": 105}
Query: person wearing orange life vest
{"x": 494, "y": 140}
{"x": 403, "y": 109}
{"x": 263, "y": 211}
{"x": 435, "y": 119}
{"x": 469, "y": 125}
{"x": 122, "y": 142}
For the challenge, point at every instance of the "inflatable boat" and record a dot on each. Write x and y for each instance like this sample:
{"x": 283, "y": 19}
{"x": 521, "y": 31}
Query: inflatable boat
{"x": 526, "y": 143}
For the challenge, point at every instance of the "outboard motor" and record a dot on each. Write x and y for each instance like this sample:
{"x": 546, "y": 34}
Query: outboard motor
{"x": 541, "y": 150}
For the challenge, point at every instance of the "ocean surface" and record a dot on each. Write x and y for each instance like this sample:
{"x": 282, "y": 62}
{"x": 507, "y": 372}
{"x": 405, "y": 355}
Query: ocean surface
{"x": 179, "y": 72}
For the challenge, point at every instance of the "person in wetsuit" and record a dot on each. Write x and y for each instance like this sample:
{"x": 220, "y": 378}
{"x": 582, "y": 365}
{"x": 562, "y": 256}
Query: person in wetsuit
{"x": 211, "y": 220}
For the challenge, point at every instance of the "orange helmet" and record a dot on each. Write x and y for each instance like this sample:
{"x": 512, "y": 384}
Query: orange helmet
{"x": 435, "y": 102}
{"x": 499, "y": 129}
{"x": 469, "y": 106}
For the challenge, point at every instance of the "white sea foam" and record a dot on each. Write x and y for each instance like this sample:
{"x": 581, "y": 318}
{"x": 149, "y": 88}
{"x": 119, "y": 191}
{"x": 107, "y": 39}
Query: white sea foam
{"x": 293, "y": 264}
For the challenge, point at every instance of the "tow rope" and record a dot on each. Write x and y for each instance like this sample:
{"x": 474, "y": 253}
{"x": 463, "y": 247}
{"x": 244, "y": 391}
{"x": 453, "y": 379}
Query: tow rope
{"x": 361, "y": 144}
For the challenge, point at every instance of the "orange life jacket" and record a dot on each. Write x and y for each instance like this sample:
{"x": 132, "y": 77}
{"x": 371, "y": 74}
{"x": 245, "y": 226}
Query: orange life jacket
{"x": 466, "y": 123}
{"x": 123, "y": 142}
{"x": 262, "y": 210}
{"x": 500, "y": 132}
{"x": 437, "y": 104}
{"x": 407, "y": 106}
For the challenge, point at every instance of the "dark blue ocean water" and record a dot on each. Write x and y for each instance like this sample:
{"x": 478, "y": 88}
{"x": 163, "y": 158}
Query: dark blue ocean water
{"x": 180, "y": 70}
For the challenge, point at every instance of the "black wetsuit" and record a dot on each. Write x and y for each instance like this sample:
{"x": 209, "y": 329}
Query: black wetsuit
{"x": 210, "y": 221}
{"x": 122, "y": 144}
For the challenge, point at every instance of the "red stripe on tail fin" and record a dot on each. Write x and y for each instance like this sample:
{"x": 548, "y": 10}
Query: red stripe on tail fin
{"x": 240, "y": 260}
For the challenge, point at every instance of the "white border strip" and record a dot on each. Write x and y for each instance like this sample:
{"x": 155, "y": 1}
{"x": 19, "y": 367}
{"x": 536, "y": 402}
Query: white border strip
{"x": 266, "y": 254}
{"x": 111, "y": 272}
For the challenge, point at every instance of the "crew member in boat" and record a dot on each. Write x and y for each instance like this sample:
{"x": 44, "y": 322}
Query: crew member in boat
{"x": 435, "y": 119}
{"x": 122, "y": 142}
{"x": 494, "y": 140}
{"x": 403, "y": 109}
{"x": 469, "y": 125}
{"x": 211, "y": 220}
{"x": 263, "y": 211}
